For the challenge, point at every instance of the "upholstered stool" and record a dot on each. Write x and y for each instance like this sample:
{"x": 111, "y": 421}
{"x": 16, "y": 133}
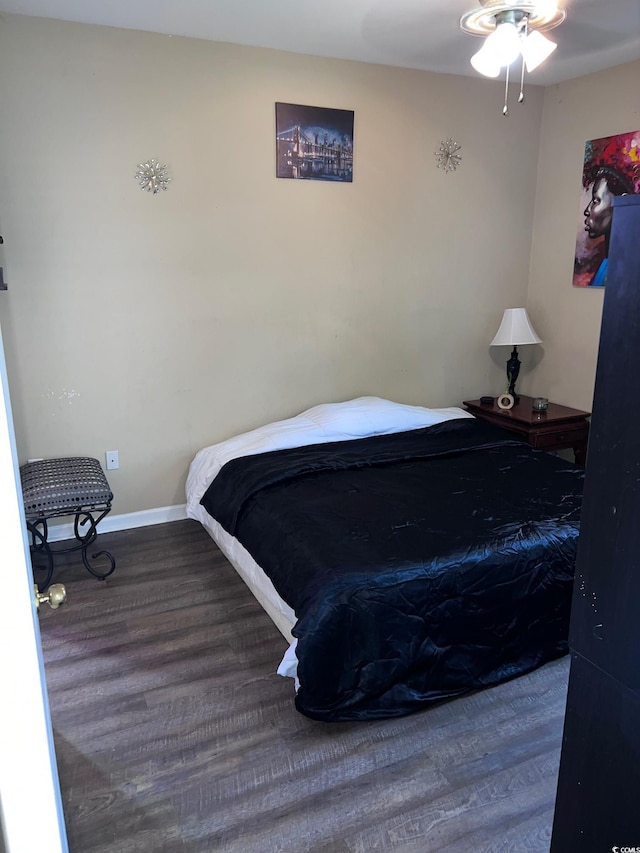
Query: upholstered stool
{"x": 74, "y": 485}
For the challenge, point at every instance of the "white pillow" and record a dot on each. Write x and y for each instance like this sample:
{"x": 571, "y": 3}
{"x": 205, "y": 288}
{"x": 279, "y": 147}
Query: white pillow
{"x": 374, "y": 416}
{"x": 352, "y": 419}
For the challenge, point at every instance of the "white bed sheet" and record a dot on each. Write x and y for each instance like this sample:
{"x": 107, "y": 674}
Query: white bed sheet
{"x": 352, "y": 419}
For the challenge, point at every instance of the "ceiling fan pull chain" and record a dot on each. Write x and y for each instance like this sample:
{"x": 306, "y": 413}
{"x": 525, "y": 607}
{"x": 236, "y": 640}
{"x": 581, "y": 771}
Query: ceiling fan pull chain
{"x": 505, "y": 109}
{"x": 523, "y": 35}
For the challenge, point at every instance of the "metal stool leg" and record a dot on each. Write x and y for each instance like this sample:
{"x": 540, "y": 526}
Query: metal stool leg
{"x": 39, "y": 546}
{"x": 89, "y": 538}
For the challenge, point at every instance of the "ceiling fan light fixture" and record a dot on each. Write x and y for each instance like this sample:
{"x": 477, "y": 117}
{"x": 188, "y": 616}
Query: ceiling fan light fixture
{"x": 512, "y": 29}
{"x": 485, "y": 63}
{"x": 504, "y": 43}
{"x": 535, "y": 49}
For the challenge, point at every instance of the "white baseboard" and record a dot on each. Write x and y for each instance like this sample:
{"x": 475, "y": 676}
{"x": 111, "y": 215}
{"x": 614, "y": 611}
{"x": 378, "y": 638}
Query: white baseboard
{"x": 125, "y": 521}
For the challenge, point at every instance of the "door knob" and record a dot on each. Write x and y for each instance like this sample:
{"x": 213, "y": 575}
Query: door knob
{"x": 55, "y": 595}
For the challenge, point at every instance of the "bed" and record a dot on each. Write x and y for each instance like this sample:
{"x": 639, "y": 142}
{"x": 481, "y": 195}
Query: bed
{"x": 407, "y": 554}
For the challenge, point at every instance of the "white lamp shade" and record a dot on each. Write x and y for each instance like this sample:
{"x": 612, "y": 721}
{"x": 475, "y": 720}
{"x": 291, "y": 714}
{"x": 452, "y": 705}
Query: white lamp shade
{"x": 515, "y": 329}
{"x": 485, "y": 63}
{"x": 536, "y": 48}
{"x": 504, "y": 43}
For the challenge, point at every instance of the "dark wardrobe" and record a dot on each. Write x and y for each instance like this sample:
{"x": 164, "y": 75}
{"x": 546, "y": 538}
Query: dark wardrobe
{"x": 598, "y": 798}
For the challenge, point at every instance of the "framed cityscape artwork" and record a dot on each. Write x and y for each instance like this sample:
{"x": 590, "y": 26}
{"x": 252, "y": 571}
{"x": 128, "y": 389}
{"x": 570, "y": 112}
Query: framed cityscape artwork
{"x": 314, "y": 143}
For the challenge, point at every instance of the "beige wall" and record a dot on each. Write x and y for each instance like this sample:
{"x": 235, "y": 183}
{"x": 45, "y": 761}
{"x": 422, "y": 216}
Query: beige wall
{"x": 156, "y": 325}
{"x": 567, "y": 317}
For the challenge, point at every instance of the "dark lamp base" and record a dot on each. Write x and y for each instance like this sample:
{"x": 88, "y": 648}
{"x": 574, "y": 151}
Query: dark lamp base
{"x": 513, "y": 371}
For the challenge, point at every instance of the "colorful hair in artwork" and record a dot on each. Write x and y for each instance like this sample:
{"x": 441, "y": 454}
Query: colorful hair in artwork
{"x": 618, "y": 157}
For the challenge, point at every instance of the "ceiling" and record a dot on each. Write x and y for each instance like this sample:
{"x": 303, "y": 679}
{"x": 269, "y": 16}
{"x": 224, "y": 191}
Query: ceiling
{"x": 421, "y": 34}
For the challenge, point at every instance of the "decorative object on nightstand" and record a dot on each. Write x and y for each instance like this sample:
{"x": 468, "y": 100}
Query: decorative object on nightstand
{"x": 515, "y": 330}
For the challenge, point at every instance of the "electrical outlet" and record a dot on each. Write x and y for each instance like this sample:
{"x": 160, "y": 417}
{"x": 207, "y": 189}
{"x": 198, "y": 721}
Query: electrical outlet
{"x": 112, "y": 460}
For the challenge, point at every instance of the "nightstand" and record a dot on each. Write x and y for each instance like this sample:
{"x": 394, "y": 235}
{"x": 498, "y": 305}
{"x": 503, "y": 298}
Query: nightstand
{"x": 559, "y": 428}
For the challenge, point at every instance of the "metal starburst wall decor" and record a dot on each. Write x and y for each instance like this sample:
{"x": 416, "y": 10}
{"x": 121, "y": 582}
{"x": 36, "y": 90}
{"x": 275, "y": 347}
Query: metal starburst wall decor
{"x": 152, "y": 176}
{"x": 447, "y": 156}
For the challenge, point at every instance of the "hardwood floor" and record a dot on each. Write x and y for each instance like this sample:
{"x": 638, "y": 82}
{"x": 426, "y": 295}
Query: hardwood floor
{"x": 173, "y": 732}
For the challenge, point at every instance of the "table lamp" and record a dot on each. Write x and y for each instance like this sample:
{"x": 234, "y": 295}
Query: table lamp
{"x": 515, "y": 330}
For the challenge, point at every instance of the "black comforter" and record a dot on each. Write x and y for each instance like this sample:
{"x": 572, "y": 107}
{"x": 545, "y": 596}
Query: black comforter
{"x": 420, "y": 564}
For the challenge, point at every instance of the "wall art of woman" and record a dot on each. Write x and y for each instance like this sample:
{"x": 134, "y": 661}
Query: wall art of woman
{"x": 611, "y": 168}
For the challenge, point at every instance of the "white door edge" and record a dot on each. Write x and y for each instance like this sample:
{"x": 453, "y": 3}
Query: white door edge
{"x": 30, "y": 801}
